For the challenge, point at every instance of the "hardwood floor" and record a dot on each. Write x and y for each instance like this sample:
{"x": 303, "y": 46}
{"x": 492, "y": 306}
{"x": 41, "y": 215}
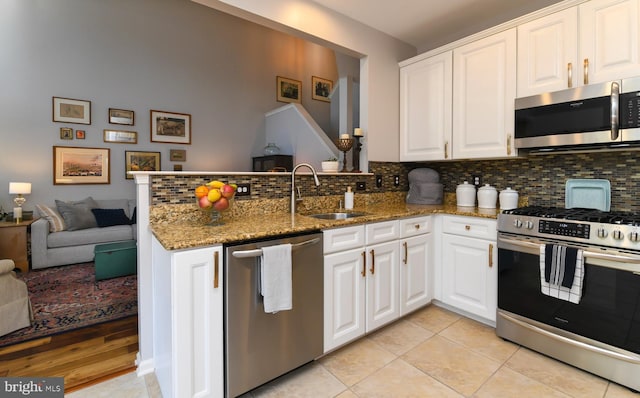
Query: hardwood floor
{"x": 83, "y": 357}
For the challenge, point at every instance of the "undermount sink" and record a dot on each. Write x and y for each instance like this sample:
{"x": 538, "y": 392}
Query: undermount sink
{"x": 338, "y": 215}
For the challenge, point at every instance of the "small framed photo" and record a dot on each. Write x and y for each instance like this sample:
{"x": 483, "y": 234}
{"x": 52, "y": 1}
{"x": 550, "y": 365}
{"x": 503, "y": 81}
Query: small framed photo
{"x": 66, "y": 133}
{"x": 120, "y": 136}
{"x": 177, "y": 155}
{"x": 321, "y": 88}
{"x": 67, "y": 110}
{"x": 177, "y": 167}
{"x": 73, "y": 165}
{"x": 141, "y": 161}
{"x": 288, "y": 90}
{"x": 121, "y": 116}
{"x": 170, "y": 127}
{"x": 80, "y": 134}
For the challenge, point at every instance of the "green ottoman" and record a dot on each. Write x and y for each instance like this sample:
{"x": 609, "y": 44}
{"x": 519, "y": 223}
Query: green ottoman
{"x": 116, "y": 259}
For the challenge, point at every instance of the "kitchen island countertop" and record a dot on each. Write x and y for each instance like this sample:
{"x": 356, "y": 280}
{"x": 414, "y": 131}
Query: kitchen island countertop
{"x": 189, "y": 233}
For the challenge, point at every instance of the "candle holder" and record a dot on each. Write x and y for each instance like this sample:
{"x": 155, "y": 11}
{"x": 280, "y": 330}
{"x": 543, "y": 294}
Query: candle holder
{"x": 344, "y": 144}
{"x": 357, "y": 147}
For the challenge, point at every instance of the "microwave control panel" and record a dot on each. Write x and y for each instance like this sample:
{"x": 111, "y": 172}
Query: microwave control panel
{"x": 630, "y": 110}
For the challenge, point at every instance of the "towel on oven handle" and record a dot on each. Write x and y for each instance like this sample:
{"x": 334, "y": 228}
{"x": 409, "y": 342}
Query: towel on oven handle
{"x": 561, "y": 272}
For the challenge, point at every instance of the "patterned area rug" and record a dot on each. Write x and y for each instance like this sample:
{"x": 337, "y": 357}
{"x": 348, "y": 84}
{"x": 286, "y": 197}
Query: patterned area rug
{"x": 68, "y": 297}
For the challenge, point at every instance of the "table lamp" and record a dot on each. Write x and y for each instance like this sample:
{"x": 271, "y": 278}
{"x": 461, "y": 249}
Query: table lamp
{"x": 19, "y": 188}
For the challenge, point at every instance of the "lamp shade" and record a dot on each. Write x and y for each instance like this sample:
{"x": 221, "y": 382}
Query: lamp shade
{"x": 20, "y": 188}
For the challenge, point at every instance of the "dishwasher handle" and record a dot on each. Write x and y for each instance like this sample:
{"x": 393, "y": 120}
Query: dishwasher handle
{"x": 258, "y": 252}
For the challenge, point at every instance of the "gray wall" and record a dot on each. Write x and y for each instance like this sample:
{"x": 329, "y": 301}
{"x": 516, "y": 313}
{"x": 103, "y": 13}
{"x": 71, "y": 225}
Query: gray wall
{"x": 170, "y": 55}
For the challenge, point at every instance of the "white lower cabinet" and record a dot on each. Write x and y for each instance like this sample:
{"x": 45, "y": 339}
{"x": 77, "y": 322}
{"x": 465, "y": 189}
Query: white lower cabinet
{"x": 188, "y": 316}
{"x": 469, "y": 265}
{"x": 372, "y": 277}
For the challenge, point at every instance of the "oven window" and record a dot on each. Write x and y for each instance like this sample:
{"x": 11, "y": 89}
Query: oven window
{"x": 609, "y": 310}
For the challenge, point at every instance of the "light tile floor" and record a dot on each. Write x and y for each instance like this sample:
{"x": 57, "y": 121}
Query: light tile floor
{"x": 431, "y": 353}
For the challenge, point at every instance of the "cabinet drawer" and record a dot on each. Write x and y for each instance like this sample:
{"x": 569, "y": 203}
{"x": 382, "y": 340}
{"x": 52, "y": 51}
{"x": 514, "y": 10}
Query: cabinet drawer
{"x": 415, "y": 226}
{"x": 470, "y": 226}
{"x": 382, "y": 231}
{"x": 343, "y": 238}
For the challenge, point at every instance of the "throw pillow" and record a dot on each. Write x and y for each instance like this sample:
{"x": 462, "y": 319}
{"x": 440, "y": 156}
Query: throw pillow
{"x": 110, "y": 217}
{"x": 56, "y": 222}
{"x": 77, "y": 215}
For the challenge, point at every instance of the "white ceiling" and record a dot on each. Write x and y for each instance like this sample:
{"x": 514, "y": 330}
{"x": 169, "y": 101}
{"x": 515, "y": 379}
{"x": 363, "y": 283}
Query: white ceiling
{"x": 427, "y": 24}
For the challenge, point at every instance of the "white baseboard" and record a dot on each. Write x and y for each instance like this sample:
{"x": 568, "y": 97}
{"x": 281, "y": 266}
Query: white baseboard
{"x": 144, "y": 367}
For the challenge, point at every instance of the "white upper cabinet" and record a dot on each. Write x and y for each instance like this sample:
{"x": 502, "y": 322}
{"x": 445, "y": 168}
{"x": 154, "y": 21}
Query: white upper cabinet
{"x": 548, "y": 53}
{"x": 484, "y": 89}
{"x": 595, "y": 42}
{"x": 425, "y": 109}
{"x": 609, "y": 40}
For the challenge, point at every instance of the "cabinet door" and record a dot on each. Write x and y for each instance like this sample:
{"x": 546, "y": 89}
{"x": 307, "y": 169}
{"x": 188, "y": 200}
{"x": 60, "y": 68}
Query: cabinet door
{"x": 197, "y": 307}
{"x": 383, "y": 282}
{"x": 425, "y": 109}
{"x": 344, "y": 297}
{"x": 609, "y": 40}
{"x": 416, "y": 273}
{"x": 484, "y": 89}
{"x": 469, "y": 272}
{"x": 548, "y": 53}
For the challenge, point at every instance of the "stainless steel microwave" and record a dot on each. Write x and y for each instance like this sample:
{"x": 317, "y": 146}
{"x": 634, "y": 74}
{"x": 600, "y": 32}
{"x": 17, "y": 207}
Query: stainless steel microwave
{"x": 594, "y": 116}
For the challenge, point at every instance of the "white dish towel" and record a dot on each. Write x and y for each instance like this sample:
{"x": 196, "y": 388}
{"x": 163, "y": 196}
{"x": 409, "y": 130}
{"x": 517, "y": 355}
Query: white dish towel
{"x": 555, "y": 262}
{"x": 275, "y": 278}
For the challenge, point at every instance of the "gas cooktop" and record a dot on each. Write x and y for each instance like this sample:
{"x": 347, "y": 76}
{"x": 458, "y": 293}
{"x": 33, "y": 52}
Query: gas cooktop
{"x": 588, "y": 226}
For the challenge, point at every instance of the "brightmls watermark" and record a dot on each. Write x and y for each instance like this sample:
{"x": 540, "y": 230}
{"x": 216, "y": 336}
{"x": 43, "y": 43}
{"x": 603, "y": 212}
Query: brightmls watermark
{"x": 39, "y": 387}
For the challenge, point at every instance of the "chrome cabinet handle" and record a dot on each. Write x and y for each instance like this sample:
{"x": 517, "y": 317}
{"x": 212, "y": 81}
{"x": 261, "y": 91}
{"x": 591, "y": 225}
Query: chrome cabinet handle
{"x": 216, "y": 269}
{"x": 586, "y": 71}
{"x": 490, "y": 255}
{"x": 373, "y": 262}
{"x": 569, "y": 75}
{"x": 364, "y": 263}
{"x": 406, "y": 252}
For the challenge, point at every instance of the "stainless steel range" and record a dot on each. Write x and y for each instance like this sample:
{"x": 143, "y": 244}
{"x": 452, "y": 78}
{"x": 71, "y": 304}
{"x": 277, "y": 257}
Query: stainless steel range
{"x": 595, "y": 326}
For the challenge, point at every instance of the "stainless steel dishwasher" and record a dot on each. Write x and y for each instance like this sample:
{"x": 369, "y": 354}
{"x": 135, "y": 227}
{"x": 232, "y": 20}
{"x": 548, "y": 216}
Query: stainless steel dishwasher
{"x": 261, "y": 346}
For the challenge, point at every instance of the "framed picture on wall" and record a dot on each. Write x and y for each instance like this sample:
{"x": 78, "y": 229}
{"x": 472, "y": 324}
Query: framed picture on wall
{"x": 121, "y": 116}
{"x": 141, "y": 161}
{"x": 170, "y": 127}
{"x": 66, "y": 133}
{"x": 321, "y": 88}
{"x": 67, "y": 110}
{"x": 178, "y": 155}
{"x": 288, "y": 90}
{"x": 74, "y": 165}
{"x": 120, "y": 137}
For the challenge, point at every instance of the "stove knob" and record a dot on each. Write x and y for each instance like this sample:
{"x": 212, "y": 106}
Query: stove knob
{"x": 602, "y": 233}
{"x": 517, "y": 223}
{"x": 528, "y": 224}
{"x": 618, "y": 235}
{"x": 634, "y": 236}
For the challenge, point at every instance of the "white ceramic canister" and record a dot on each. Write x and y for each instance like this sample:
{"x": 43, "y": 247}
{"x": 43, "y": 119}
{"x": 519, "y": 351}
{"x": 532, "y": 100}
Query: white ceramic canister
{"x": 487, "y": 197}
{"x": 508, "y": 199}
{"x": 466, "y": 195}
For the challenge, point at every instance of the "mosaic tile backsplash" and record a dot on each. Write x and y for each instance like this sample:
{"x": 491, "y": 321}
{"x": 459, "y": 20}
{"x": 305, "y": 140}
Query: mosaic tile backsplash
{"x": 539, "y": 178}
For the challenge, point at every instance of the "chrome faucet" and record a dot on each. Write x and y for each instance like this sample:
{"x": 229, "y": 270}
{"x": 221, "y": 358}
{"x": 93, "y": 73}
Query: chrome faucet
{"x": 293, "y": 184}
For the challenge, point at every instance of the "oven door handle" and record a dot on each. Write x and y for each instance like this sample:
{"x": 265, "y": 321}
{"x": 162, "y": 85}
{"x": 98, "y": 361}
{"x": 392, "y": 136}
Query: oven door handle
{"x": 258, "y": 252}
{"x": 625, "y": 263}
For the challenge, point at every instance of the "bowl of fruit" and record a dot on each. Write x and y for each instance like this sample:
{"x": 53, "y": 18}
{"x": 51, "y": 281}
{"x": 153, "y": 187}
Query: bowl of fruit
{"x": 215, "y": 197}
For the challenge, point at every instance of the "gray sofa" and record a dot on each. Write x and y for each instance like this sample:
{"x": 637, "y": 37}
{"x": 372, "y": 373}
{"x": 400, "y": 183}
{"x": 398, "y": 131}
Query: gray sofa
{"x": 49, "y": 249}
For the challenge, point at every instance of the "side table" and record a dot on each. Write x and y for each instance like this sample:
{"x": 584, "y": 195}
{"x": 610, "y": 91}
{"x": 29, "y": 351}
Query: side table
{"x": 13, "y": 243}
